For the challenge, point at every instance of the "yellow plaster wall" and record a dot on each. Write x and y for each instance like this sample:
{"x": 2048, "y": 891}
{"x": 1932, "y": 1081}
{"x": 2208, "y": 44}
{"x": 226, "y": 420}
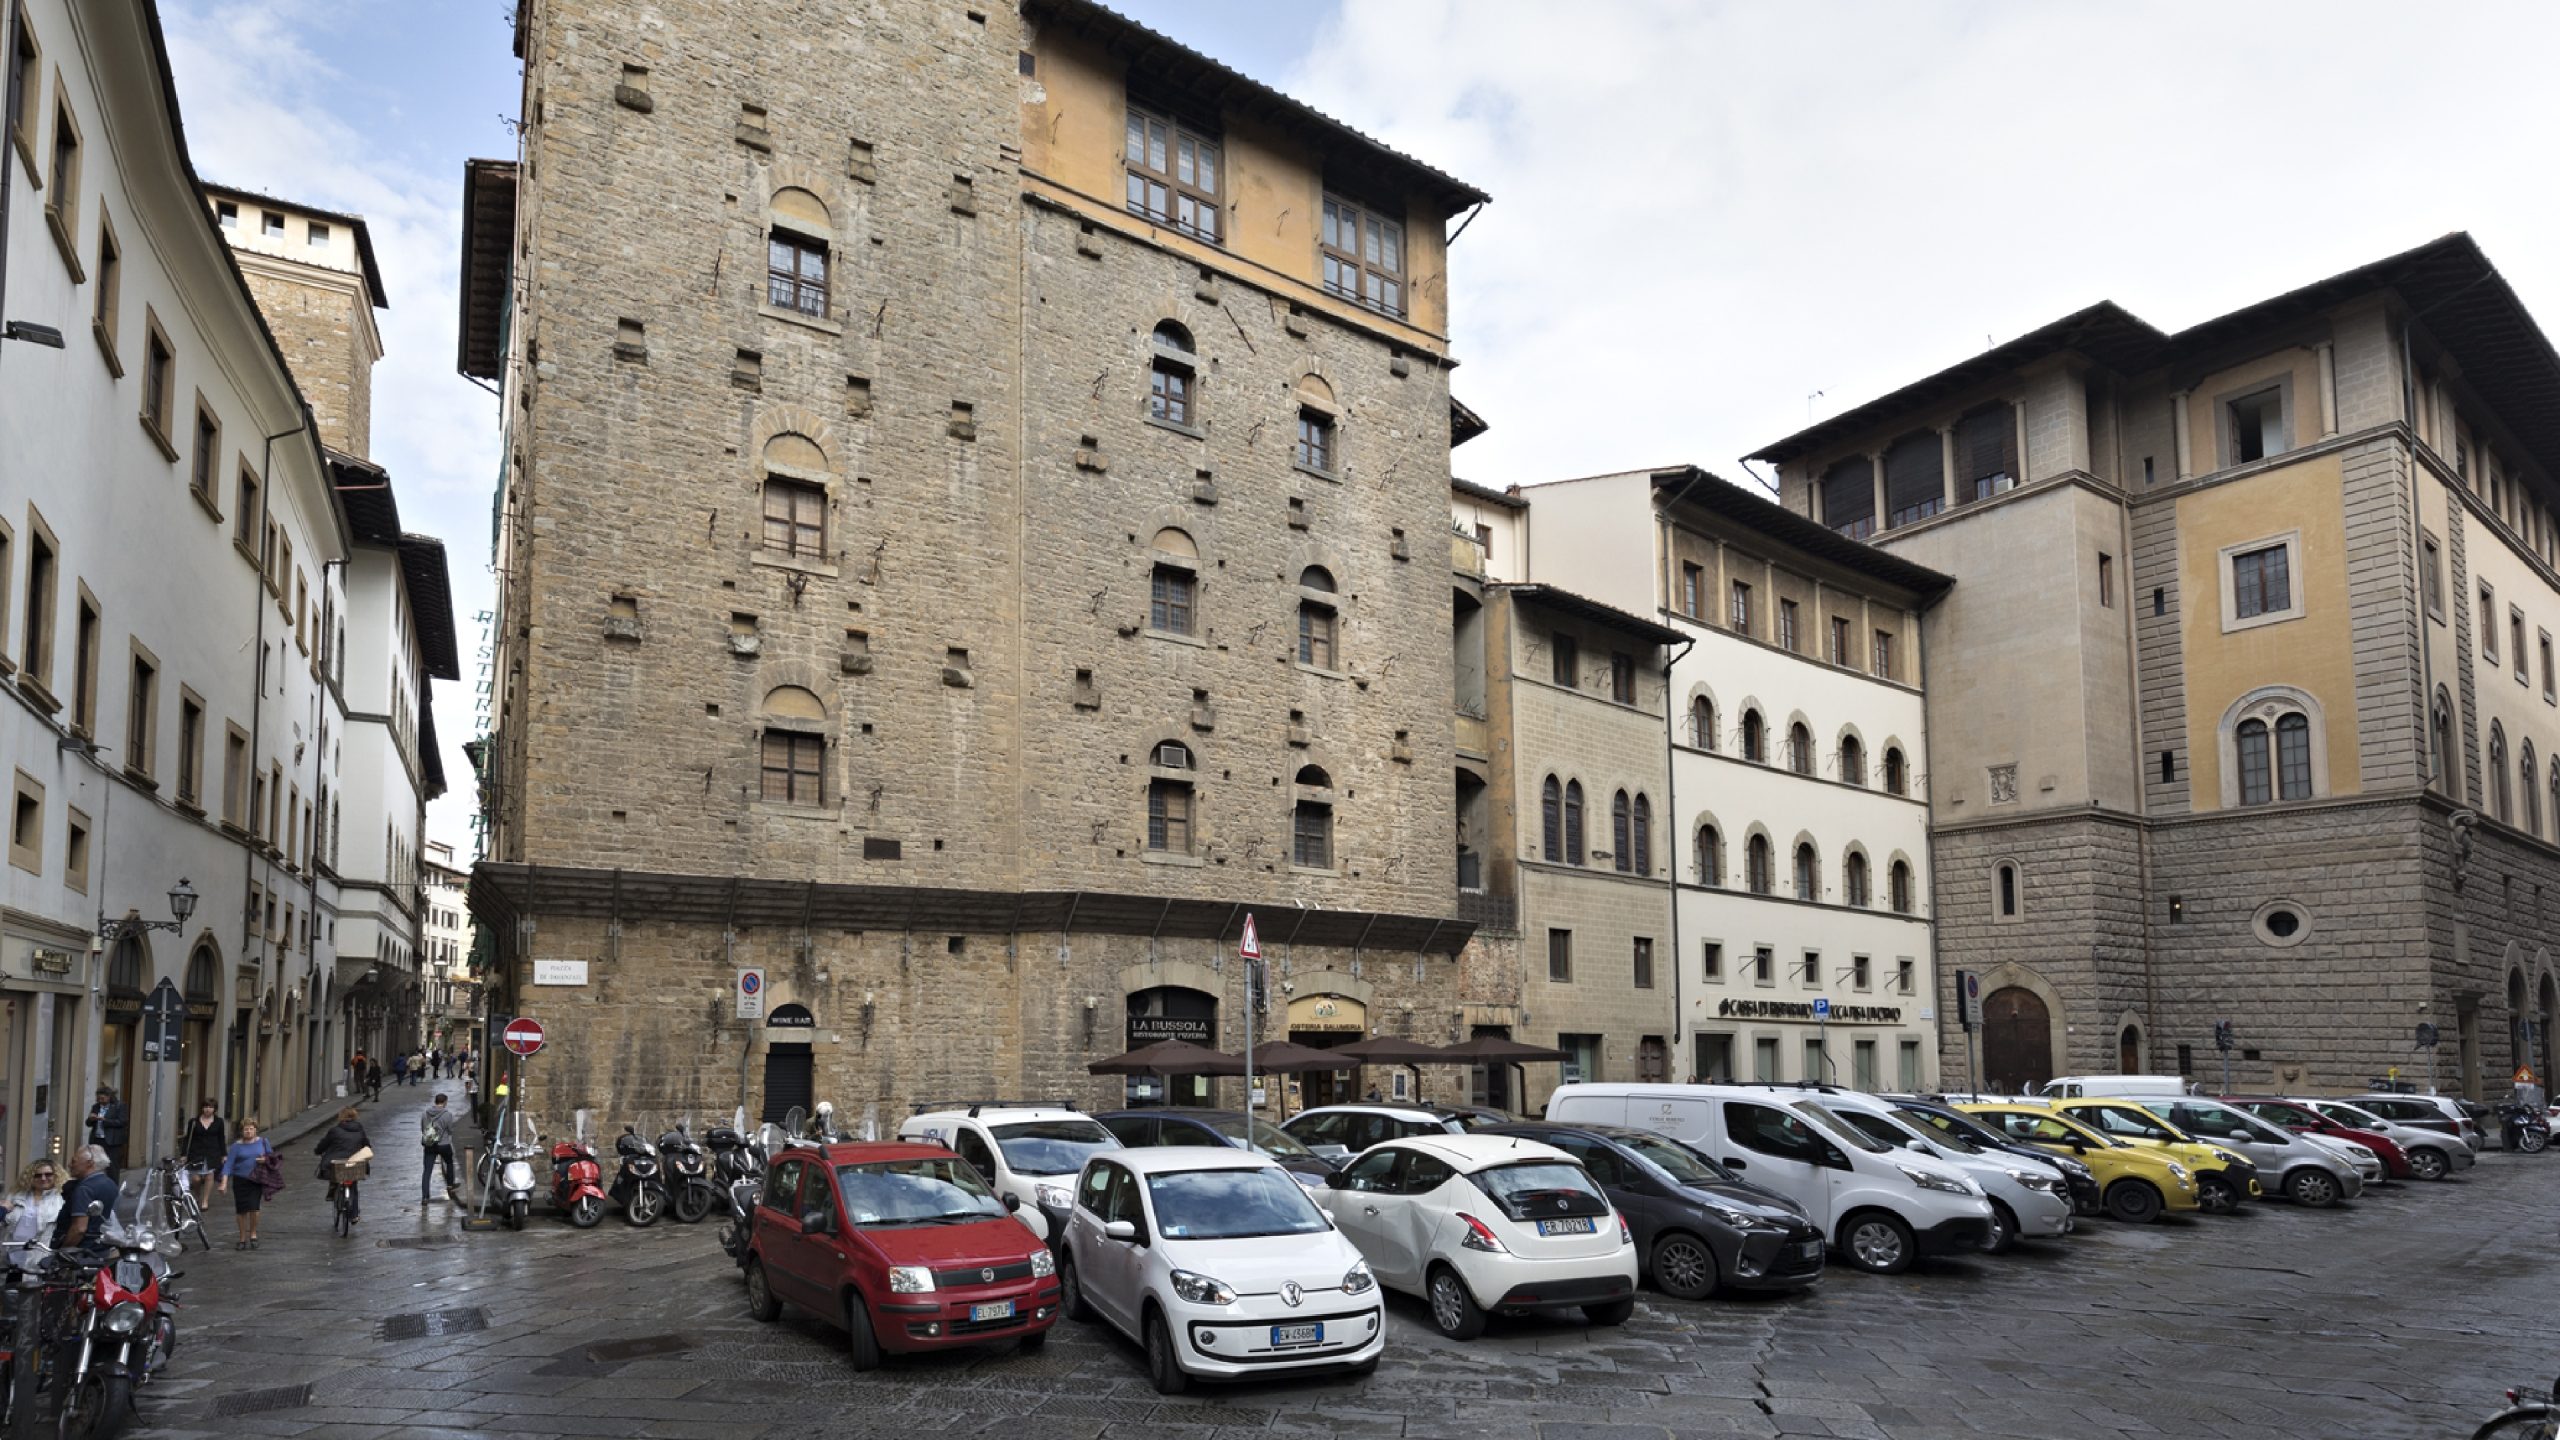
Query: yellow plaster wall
{"x": 2204, "y": 402}
{"x": 2314, "y": 653}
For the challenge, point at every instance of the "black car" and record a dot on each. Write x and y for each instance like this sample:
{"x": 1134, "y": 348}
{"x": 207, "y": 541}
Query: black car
{"x": 1947, "y": 1120}
{"x": 1139, "y": 1129}
{"x": 1698, "y": 1228}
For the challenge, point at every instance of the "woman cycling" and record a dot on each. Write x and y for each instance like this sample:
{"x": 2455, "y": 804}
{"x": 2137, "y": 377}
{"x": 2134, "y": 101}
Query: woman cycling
{"x": 340, "y": 1142}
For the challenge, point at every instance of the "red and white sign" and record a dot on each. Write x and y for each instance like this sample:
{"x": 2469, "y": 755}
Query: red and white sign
{"x": 523, "y": 1035}
{"x": 1250, "y": 947}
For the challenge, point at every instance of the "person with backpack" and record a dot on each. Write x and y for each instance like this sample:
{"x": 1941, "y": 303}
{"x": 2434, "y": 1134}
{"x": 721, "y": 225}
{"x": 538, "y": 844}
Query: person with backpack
{"x": 435, "y": 1136}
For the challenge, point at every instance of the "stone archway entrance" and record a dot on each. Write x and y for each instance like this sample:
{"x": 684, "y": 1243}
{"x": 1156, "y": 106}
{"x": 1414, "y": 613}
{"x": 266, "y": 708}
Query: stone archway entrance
{"x": 2129, "y": 1052}
{"x": 2017, "y": 1040}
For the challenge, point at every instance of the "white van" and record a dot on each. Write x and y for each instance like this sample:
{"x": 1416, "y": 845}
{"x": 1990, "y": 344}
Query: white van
{"x": 1882, "y": 1207}
{"x": 2074, "y": 1087}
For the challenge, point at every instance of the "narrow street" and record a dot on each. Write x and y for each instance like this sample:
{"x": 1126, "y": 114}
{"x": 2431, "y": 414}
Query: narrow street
{"x": 2402, "y": 1314}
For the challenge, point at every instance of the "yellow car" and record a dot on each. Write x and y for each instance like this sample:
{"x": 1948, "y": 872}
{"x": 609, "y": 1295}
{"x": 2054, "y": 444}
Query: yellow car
{"x": 2137, "y": 1184}
{"x": 2223, "y": 1177}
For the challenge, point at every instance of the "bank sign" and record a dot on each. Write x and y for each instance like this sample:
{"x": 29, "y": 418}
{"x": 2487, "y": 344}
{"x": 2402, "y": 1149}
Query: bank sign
{"x": 1803, "y": 1010}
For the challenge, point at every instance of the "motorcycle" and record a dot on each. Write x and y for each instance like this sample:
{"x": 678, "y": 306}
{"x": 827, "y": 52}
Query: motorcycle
{"x": 2524, "y": 1127}
{"x": 639, "y": 1181}
{"x": 690, "y": 1191}
{"x": 112, "y": 1334}
{"x": 506, "y": 1172}
{"x": 577, "y": 1188}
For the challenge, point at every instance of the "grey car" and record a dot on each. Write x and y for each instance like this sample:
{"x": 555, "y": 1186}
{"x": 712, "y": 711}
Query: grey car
{"x": 2428, "y": 1112}
{"x": 2296, "y": 1166}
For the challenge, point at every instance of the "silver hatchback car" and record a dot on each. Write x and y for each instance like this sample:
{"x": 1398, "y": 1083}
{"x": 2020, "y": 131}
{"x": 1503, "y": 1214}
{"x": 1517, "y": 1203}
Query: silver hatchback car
{"x": 2288, "y": 1164}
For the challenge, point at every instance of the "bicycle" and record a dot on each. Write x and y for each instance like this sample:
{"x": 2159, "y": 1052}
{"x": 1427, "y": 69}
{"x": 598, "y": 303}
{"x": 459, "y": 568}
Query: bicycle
{"x": 2523, "y": 1419}
{"x": 178, "y": 1202}
{"x": 343, "y": 1179}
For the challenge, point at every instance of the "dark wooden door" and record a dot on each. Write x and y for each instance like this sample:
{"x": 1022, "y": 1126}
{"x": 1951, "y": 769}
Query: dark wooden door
{"x": 790, "y": 1079}
{"x": 2017, "y": 1041}
{"x": 2129, "y": 1052}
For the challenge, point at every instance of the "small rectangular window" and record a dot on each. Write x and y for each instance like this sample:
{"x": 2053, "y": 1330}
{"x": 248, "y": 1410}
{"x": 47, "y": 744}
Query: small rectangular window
{"x": 1710, "y": 960}
{"x": 75, "y": 852}
{"x": 2261, "y": 582}
{"x": 2515, "y": 637}
{"x": 1787, "y": 625}
{"x": 1693, "y": 586}
{"x": 1905, "y": 976}
{"x": 1884, "y": 655}
{"x": 1315, "y": 440}
{"x": 158, "y": 365}
{"x": 271, "y": 224}
{"x": 2168, "y": 767}
{"x": 316, "y": 235}
{"x": 2489, "y": 623}
{"x": 226, "y": 214}
{"x": 1764, "y": 965}
{"x": 1741, "y": 612}
{"x": 2106, "y": 580}
{"x": 1169, "y": 607}
{"x": 1173, "y": 174}
{"x": 142, "y": 715}
{"x": 795, "y": 276}
{"x": 105, "y": 309}
{"x": 2159, "y": 600}
{"x": 190, "y": 747}
{"x": 26, "y": 825}
{"x": 1363, "y": 256}
{"x": 1839, "y": 641}
{"x": 794, "y": 767}
{"x": 1568, "y": 662}
{"x": 1622, "y": 678}
{"x": 1643, "y": 962}
{"x": 1811, "y": 973}
{"x": 2257, "y": 426}
{"x": 2548, "y": 693}
{"x": 1560, "y": 956}
{"x": 202, "y": 466}
{"x": 795, "y": 518}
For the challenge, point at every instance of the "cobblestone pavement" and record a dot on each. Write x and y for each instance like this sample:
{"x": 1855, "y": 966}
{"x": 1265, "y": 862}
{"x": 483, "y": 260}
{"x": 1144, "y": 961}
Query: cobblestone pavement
{"x": 2401, "y": 1314}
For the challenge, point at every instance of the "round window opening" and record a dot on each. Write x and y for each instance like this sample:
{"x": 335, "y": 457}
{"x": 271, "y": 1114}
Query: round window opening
{"x": 2281, "y": 923}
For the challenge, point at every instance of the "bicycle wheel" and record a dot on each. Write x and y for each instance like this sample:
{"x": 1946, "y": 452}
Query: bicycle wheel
{"x": 2524, "y": 1422}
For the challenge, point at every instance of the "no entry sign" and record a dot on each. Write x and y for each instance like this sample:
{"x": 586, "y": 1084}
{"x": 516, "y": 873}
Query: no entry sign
{"x": 522, "y": 1035}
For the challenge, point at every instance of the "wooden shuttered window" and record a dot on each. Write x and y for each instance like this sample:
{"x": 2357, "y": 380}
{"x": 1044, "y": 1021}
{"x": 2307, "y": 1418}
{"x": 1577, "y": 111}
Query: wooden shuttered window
{"x": 1914, "y": 479}
{"x": 1849, "y": 497}
{"x": 1986, "y": 453}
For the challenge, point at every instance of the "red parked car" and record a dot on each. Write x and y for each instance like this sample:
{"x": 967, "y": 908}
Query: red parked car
{"x": 2303, "y": 1120}
{"x": 904, "y": 1246}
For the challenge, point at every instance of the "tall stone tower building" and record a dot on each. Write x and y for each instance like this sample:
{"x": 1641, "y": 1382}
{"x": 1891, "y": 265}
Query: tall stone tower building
{"x": 971, "y": 534}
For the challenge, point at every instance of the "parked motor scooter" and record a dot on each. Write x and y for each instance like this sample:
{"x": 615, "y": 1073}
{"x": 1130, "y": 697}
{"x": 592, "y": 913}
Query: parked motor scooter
{"x": 690, "y": 1191}
{"x": 639, "y": 1181}
{"x": 2524, "y": 1127}
{"x": 577, "y": 1182}
{"x": 506, "y": 1171}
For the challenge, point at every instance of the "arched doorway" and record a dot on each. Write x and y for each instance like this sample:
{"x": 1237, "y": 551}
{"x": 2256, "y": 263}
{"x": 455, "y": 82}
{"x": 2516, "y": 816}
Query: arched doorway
{"x": 790, "y": 1063}
{"x": 2017, "y": 1040}
{"x": 1171, "y": 1012}
{"x": 2129, "y": 1051}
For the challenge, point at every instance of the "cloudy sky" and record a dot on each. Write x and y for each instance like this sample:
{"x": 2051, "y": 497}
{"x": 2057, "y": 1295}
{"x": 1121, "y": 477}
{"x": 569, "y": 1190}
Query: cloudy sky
{"x": 1710, "y": 222}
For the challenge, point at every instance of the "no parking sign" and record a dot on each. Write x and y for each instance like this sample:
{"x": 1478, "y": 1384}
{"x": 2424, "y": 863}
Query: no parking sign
{"x": 750, "y": 992}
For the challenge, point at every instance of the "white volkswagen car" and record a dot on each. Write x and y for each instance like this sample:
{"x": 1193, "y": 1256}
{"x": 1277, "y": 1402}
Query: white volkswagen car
{"x": 1218, "y": 1263}
{"x": 1481, "y": 1223}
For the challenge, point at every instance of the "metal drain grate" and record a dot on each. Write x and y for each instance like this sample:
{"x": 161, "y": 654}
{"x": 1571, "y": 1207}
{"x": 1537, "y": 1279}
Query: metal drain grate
{"x": 415, "y": 1242}
{"x": 434, "y": 1322}
{"x": 261, "y": 1402}
{"x": 616, "y": 1351}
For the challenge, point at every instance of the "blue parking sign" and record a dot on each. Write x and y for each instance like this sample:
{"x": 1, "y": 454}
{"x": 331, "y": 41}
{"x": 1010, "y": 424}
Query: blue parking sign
{"x": 1821, "y": 1009}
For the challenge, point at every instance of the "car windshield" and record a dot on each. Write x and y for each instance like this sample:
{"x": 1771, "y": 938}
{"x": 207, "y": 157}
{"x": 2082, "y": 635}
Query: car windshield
{"x": 1514, "y": 1187}
{"x": 2351, "y": 1116}
{"x": 1683, "y": 1165}
{"x": 1231, "y": 1205}
{"x": 1950, "y": 1126}
{"x": 1268, "y": 1138}
{"x": 929, "y": 1191}
{"x": 1841, "y": 1130}
{"x": 2223, "y": 1122}
{"x": 1051, "y": 1147}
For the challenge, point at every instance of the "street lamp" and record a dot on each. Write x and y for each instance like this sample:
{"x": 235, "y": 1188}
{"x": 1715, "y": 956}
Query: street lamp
{"x": 182, "y": 903}
{"x": 33, "y": 334}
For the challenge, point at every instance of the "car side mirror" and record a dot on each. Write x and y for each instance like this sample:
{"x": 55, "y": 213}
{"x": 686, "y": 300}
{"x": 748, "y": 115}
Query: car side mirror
{"x": 1122, "y": 1230}
{"x": 817, "y": 1222}
{"x": 1012, "y": 1202}
{"x": 1333, "y": 1180}
{"x": 1835, "y": 1159}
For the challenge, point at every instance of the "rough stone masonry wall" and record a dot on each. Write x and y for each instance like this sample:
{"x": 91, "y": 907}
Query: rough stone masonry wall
{"x": 316, "y": 327}
{"x": 2078, "y": 931}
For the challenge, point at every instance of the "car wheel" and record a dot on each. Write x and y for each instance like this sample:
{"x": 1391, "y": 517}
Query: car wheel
{"x": 1454, "y": 1312}
{"x": 760, "y": 1301}
{"x": 1613, "y": 1313}
{"x": 861, "y": 1343}
{"x": 2136, "y": 1202}
{"x": 2216, "y": 1195}
{"x": 2004, "y": 1230}
{"x": 1684, "y": 1266}
{"x": 1164, "y": 1367}
{"x": 1071, "y": 1301}
{"x": 1877, "y": 1243}
{"x": 2428, "y": 1163}
{"x": 2317, "y": 1189}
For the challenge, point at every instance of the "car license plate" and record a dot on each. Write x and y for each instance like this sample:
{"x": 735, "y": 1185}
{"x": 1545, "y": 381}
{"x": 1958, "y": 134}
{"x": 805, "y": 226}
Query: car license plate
{"x": 997, "y": 1310}
{"x": 1806, "y": 1250}
{"x": 1297, "y": 1334}
{"x": 1576, "y": 1225}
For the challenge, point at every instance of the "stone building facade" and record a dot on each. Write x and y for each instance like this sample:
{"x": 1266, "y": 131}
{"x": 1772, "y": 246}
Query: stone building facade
{"x": 2251, "y": 646}
{"x": 970, "y": 552}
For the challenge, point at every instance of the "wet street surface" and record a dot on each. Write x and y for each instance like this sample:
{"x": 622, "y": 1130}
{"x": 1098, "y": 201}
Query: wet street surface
{"x": 2404, "y": 1313}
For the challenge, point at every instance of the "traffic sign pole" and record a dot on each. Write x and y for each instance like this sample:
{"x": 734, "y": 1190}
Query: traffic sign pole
{"x": 1249, "y": 950}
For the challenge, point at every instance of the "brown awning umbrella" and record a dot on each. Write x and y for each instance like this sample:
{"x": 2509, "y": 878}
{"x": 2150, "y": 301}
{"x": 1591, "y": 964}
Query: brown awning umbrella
{"x": 1169, "y": 1057}
{"x": 1496, "y": 1050}
{"x": 1283, "y": 1057}
{"x": 1394, "y": 1050}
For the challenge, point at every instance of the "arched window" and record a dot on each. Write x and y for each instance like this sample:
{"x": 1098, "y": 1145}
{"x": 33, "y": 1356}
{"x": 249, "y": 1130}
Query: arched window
{"x": 1853, "y": 880}
{"x": 1702, "y": 723}
{"x": 1895, "y": 780}
{"x": 1755, "y": 738}
{"x": 795, "y": 747}
{"x": 1644, "y": 836}
{"x": 1573, "y": 822}
{"x": 1169, "y": 800}
{"x": 1551, "y": 821}
{"x": 1318, "y": 625}
{"x": 1710, "y": 851}
{"x": 2255, "y": 788}
{"x": 1622, "y": 843}
{"x": 1808, "y": 874}
{"x": 1755, "y": 865}
{"x": 1899, "y": 879}
{"x": 1170, "y": 607}
{"x": 1311, "y": 827}
{"x": 203, "y": 973}
{"x": 1853, "y": 760}
{"x": 2532, "y": 792}
{"x": 2008, "y": 892}
{"x": 2440, "y": 742}
{"x": 1800, "y": 749}
{"x": 124, "y": 968}
{"x": 2500, "y": 797}
{"x": 796, "y": 253}
{"x": 1172, "y": 377}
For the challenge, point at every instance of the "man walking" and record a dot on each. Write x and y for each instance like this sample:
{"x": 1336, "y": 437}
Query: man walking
{"x": 108, "y": 1128}
{"x": 435, "y": 1135}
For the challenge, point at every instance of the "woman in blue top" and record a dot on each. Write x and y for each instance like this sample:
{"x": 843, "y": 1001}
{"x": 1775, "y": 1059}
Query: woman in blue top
{"x": 239, "y": 1176}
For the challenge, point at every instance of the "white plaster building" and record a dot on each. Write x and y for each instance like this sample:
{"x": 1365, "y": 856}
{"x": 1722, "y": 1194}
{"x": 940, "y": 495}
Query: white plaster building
{"x": 169, "y": 582}
{"x": 445, "y": 968}
{"x": 1800, "y": 838}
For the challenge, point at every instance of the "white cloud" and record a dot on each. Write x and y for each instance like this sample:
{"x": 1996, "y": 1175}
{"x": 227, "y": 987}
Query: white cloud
{"x": 1703, "y": 214}
{"x": 261, "y": 108}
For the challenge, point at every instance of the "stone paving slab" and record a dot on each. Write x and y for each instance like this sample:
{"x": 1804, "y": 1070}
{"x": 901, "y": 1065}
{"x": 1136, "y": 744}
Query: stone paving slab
{"x": 2404, "y": 1313}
